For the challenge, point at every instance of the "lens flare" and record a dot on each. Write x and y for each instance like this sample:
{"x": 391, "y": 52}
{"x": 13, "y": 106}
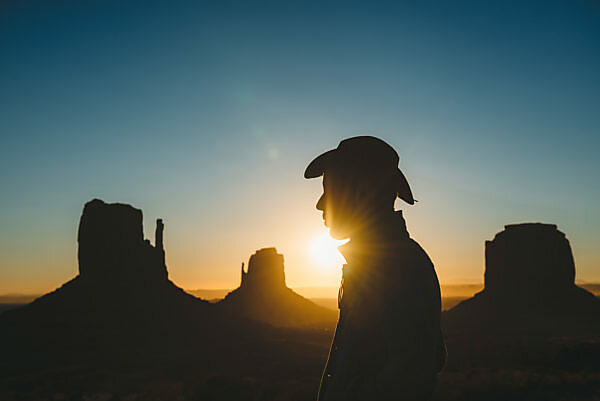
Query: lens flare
{"x": 323, "y": 251}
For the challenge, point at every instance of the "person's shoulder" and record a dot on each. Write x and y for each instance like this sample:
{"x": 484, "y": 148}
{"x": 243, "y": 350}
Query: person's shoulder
{"x": 408, "y": 248}
{"x": 408, "y": 265}
{"x": 419, "y": 251}
{"x": 411, "y": 251}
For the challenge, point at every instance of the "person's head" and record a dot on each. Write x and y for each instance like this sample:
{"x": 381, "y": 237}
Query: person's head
{"x": 361, "y": 181}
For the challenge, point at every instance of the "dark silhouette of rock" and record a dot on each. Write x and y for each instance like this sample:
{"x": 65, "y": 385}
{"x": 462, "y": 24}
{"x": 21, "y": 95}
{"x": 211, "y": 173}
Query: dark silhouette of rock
{"x": 529, "y": 260}
{"x": 112, "y": 246}
{"x": 158, "y": 235}
{"x": 264, "y": 296}
{"x": 529, "y": 289}
{"x": 121, "y": 275}
{"x": 265, "y": 271}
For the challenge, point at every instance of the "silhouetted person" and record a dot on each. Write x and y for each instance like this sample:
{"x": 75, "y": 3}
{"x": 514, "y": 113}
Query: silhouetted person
{"x": 388, "y": 343}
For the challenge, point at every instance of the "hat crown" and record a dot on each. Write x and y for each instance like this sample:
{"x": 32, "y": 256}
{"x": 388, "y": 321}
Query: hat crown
{"x": 368, "y": 148}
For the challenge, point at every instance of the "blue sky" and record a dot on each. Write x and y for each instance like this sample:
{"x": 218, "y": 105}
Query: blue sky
{"x": 206, "y": 114}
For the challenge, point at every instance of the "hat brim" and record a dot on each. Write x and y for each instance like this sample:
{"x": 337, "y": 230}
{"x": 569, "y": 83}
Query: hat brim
{"x": 320, "y": 164}
{"x": 317, "y": 167}
{"x": 402, "y": 188}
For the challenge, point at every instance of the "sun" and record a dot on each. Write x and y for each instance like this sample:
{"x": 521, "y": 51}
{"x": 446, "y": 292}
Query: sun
{"x": 323, "y": 251}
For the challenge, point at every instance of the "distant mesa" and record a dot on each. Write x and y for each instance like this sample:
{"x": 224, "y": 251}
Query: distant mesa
{"x": 529, "y": 288}
{"x": 264, "y": 296}
{"x": 265, "y": 271}
{"x": 112, "y": 248}
{"x": 529, "y": 262}
{"x": 120, "y": 272}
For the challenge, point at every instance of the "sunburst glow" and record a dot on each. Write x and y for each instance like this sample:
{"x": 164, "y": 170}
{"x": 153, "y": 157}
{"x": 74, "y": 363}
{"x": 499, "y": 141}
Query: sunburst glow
{"x": 323, "y": 251}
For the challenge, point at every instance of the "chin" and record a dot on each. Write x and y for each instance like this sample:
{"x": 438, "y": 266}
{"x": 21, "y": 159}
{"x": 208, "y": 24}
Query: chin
{"x": 338, "y": 234}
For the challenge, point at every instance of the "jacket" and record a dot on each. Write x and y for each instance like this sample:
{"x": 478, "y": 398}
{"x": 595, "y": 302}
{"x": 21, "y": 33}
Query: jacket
{"x": 388, "y": 342}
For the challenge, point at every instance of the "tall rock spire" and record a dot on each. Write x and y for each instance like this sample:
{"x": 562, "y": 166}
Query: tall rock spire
{"x": 158, "y": 236}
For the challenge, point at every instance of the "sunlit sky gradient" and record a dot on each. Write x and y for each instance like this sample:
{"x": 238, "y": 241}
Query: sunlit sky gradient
{"x": 207, "y": 114}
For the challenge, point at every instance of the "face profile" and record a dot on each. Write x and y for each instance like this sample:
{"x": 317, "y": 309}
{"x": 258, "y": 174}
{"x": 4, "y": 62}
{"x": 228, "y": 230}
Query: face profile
{"x": 337, "y": 206}
{"x": 348, "y": 203}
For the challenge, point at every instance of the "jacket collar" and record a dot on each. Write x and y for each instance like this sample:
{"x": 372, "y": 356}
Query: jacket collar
{"x": 384, "y": 236}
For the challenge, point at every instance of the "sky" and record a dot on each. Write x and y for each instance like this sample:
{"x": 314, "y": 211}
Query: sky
{"x": 206, "y": 114}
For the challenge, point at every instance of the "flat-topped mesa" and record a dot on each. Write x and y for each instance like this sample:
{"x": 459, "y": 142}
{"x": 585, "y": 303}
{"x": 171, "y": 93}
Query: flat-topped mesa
{"x": 265, "y": 270}
{"x": 529, "y": 293}
{"x": 530, "y": 259}
{"x": 264, "y": 296}
{"x": 112, "y": 246}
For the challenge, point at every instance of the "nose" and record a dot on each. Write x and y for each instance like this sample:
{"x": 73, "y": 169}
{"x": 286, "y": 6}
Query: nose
{"x": 321, "y": 203}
